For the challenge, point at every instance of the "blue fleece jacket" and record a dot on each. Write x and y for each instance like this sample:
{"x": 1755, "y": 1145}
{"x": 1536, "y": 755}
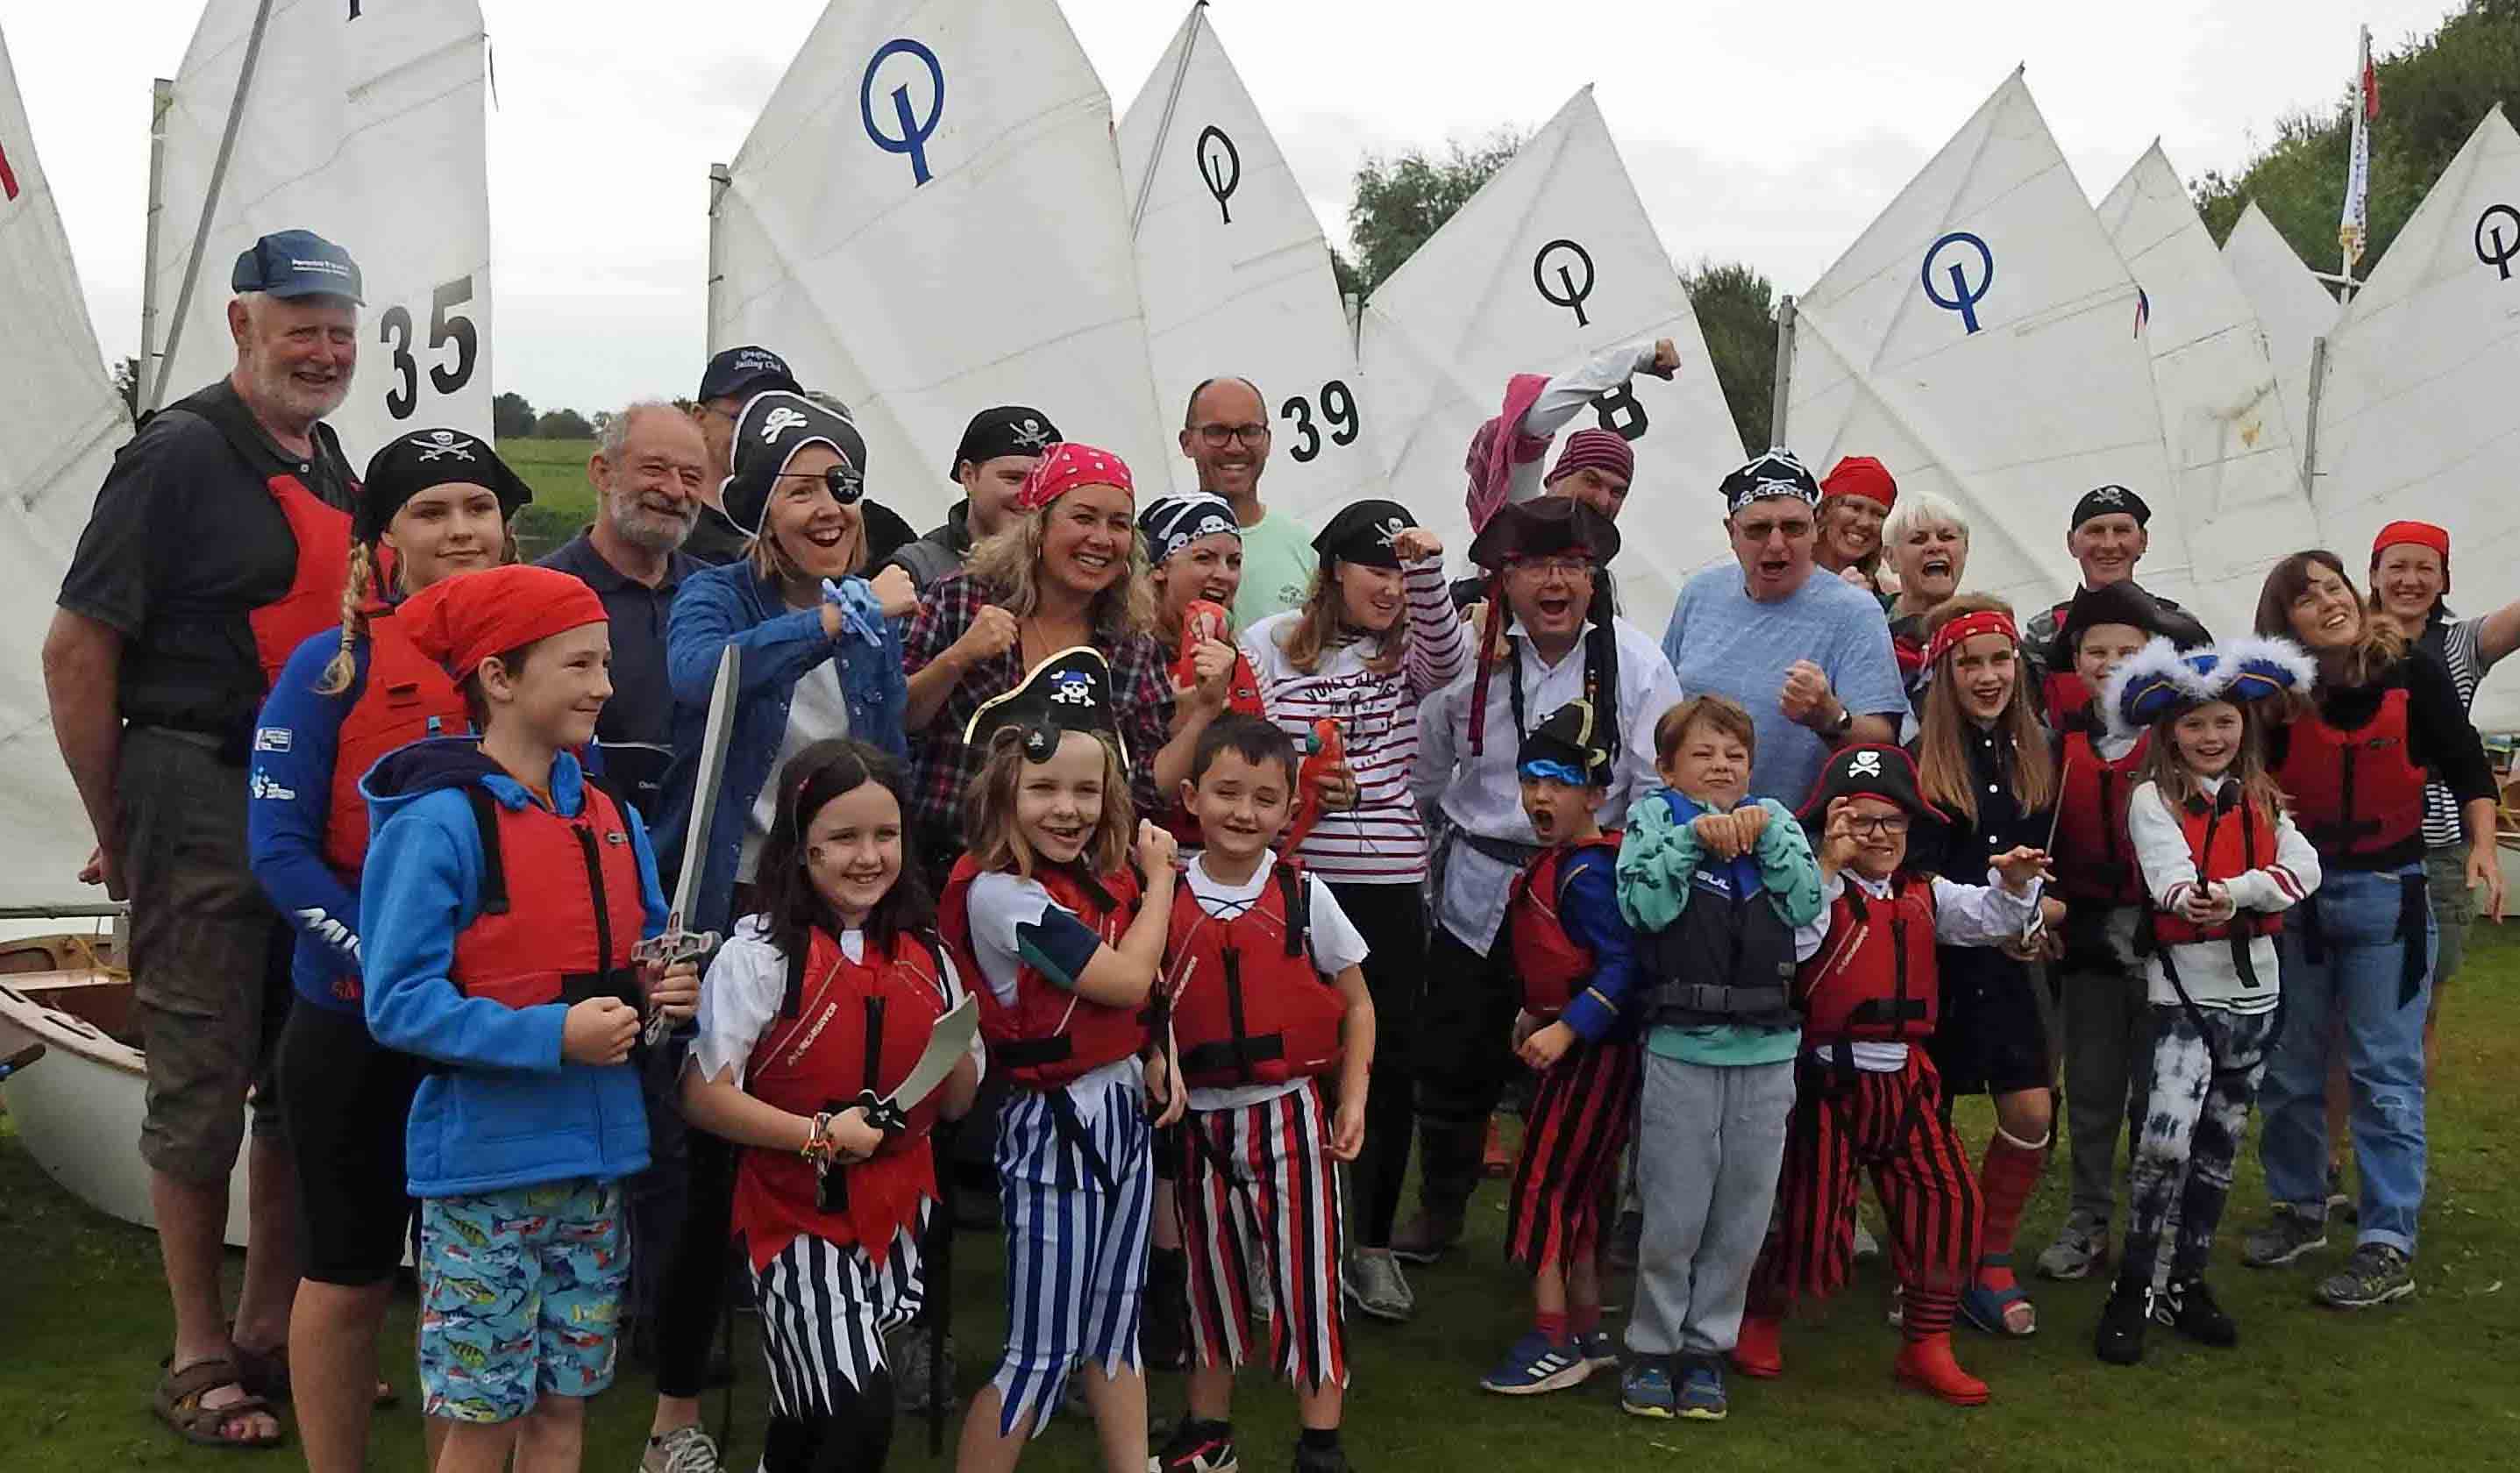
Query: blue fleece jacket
{"x": 506, "y": 1111}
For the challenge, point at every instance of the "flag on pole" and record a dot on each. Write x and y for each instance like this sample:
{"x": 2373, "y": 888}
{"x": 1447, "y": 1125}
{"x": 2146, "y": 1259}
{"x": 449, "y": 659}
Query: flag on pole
{"x": 2353, "y": 228}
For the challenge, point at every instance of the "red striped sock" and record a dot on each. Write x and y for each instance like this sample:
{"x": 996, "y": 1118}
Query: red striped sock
{"x": 1927, "y": 1311}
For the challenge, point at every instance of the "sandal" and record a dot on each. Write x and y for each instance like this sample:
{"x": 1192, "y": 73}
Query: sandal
{"x": 265, "y": 1373}
{"x": 1994, "y": 1309}
{"x": 178, "y": 1403}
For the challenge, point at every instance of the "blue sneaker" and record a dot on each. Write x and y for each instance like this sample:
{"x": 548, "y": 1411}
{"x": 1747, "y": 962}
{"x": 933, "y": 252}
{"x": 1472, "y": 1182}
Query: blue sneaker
{"x": 1534, "y": 1364}
{"x": 1598, "y": 1350}
{"x": 1645, "y": 1389}
{"x": 1701, "y": 1391}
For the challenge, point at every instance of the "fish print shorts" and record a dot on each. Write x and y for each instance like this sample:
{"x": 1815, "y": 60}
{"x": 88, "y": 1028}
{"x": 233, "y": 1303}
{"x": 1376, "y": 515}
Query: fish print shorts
{"x": 521, "y": 1294}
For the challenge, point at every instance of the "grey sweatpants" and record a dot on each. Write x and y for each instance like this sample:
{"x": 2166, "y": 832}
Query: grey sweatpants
{"x": 1710, "y": 1140}
{"x": 2106, "y": 1026}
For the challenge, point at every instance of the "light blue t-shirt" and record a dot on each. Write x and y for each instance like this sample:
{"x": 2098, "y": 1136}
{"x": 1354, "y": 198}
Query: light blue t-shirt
{"x": 1722, "y": 640}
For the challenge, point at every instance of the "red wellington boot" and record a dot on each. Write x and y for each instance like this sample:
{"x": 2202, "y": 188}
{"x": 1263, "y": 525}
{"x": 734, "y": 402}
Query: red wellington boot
{"x": 1927, "y": 1365}
{"x": 1494, "y": 1159}
{"x": 1759, "y": 1350}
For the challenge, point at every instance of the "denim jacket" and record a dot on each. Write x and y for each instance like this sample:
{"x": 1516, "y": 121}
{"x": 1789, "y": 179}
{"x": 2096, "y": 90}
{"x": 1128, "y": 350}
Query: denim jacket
{"x": 731, "y": 606}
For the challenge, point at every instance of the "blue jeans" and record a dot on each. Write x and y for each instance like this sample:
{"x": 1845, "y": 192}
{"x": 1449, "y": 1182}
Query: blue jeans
{"x": 2352, "y": 994}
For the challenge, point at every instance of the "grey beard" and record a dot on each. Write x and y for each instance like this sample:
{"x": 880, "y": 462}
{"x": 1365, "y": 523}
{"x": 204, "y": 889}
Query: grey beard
{"x": 645, "y": 530}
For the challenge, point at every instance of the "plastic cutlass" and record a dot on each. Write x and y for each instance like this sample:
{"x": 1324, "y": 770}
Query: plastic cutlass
{"x": 675, "y": 944}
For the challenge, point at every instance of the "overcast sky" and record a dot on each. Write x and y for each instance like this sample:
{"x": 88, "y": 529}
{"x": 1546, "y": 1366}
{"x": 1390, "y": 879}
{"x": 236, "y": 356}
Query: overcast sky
{"x": 1770, "y": 131}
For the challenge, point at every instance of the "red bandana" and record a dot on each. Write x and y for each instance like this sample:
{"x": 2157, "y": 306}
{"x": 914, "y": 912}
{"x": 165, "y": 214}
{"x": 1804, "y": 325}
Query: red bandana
{"x": 2422, "y": 534}
{"x": 1068, "y": 465}
{"x": 1984, "y": 622}
{"x": 460, "y": 622}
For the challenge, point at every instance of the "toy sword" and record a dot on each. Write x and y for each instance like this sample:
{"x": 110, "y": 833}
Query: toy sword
{"x": 947, "y": 1043}
{"x": 674, "y": 944}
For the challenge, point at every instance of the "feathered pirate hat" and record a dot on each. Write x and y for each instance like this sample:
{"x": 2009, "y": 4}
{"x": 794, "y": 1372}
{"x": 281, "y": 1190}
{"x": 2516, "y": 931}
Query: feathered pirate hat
{"x": 2160, "y": 681}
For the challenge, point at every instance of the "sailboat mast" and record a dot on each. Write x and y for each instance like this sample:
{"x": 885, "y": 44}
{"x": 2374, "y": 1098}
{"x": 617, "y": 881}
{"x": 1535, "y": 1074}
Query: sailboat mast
{"x": 1784, "y": 371}
{"x": 1165, "y": 124}
{"x": 209, "y": 205}
{"x": 161, "y": 101}
{"x": 721, "y": 179}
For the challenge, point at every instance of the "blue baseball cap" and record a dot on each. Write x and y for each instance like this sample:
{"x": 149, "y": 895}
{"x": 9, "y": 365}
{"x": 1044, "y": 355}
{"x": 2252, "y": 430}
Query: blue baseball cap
{"x": 290, "y": 263}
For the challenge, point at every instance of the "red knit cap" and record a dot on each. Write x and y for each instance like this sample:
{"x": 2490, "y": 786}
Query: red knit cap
{"x": 1593, "y": 450}
{"x": 462, "y": 621}
{"x": 1066, "y": 466}
{"x": 2422, "y": 534}
{"x": 1862, "y": 475}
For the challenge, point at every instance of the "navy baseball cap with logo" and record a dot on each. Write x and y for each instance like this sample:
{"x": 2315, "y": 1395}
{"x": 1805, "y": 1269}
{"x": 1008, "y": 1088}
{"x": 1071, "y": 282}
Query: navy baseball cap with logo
{"x": 293, "y": 263}
{"x": 741, "y": 372}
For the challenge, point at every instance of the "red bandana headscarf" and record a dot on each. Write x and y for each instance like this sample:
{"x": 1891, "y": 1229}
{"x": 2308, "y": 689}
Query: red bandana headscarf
{"x": 460, "y": 622}
{"x": 1066, "y": 466}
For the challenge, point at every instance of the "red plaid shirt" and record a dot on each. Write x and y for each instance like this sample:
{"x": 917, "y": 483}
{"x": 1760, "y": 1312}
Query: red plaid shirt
{"x": 941, "y": 766}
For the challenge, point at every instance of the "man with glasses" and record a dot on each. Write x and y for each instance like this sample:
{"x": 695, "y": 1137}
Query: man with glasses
{"x": 1545, "y": 562}
{"x": 1808, "y": 657}
{"x": 1225, "y": 432}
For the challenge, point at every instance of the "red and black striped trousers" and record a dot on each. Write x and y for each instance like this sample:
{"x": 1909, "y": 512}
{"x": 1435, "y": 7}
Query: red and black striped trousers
{"x": 1581, "y": 1114}
{"x": 1848, "y": 1123}
{"x": 1257, "y": 1181}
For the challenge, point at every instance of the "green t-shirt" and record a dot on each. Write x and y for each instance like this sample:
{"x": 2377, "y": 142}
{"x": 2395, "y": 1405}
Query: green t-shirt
{"x": 1725, "y": 1045}
{"x": 1277, "y": 563}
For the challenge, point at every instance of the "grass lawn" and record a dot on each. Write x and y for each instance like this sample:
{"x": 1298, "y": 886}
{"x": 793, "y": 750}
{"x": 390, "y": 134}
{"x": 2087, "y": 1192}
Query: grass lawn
{"x": 562, "y": 503}
{"x": 2427, "y": 1382}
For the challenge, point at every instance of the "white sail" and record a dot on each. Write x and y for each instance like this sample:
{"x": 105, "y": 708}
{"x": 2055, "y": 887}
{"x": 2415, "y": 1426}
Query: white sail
{"x": 1236, "y": 276}
{"x": 1554, "y": 259}
{"x": 926, "y": 220}
{"x": 1981, "y": 338}
{"x": 2291, "y": 305}
{"x": 2418, "y": 416}
{"x": 59, "y": 422}
{"x": 2235, "y": 477}
{"x": 364, "y": 123}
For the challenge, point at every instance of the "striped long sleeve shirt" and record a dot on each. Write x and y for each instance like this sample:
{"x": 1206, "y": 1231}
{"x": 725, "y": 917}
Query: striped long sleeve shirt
{"x": 1383, "y": 840}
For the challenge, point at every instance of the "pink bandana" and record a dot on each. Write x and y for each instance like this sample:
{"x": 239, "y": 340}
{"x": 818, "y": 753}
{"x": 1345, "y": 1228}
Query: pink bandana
{"x": 1066, "y": 466}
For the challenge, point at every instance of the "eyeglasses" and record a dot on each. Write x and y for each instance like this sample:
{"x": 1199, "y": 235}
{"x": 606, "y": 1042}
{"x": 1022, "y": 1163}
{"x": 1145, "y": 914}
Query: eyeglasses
{"x": 842, "y": 481}
{"x": 1546, "y": 569}
{"x": 1887, "y": 826}
{"x": 1215, "y": 436}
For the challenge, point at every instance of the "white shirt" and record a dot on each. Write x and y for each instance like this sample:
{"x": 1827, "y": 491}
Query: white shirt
{"x": 998, "y": 903}
{"x": 1985, "y": 915}
{"x": 1569, "y": 394}
{"x": 1482, "y": 794}
{"x": 748, "y": 981}
{"x": 1333, "y": 940}
{"x": 816, "y": 709}
{"x": 2206, "y": 968}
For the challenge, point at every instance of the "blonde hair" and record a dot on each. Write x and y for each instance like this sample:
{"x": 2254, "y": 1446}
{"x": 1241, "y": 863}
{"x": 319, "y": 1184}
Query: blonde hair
{"x": 1007, "y": 562}
{"x": 2164, "y": 766}
{"x": 1942, "y": 758}
{"x": 1319, "y": 630}
{"x": 772, "y": 564}
{"x": 344, "y": 667}
{"x": 996, "y": 841}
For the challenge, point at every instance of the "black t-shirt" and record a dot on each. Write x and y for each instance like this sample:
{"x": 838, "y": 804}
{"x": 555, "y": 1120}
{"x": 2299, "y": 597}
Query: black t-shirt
{"x": 185, "y": 542}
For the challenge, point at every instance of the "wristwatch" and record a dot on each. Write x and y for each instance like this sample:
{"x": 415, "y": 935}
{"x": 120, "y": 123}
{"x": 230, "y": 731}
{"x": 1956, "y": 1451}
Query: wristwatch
{"x": 1836, "y": 729}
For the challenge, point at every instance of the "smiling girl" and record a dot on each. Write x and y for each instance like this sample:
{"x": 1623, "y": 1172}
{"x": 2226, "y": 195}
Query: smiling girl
{"x": 436, "y": 504}
{"x": 830, "y": 990}
{"x": 1983, "y": 758}
{"x": 2221, "y": 861}
{"x": 1064, "y": 934}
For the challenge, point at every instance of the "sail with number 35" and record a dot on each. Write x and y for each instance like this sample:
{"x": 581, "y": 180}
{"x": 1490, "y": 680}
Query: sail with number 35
{"x": 1237, "y": 277}
{"x": 926, "y": 220}
{"x": 364, "y": 122}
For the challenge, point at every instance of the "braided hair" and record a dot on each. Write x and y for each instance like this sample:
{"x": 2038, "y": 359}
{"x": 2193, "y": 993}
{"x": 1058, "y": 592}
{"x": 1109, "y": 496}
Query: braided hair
{"x": 344, "y": 667}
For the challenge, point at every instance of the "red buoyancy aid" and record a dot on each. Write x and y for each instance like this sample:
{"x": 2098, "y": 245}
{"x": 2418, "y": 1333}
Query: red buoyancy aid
{"x": 2226, "y": 839}
{"x": 2357, "y": 793}
{"x": 2093, "y": 856}
{"x": 404, "y": 696}
{"x": 1048, "y": 1036}
{"x": 1551, "y": 966}
{"x": 560, "y": 905}
{"x": 1873, "y": 978}
{"x": 846, "y": 1027}
{"x": 313, "y": 601}
{"x": 1247, "y": 1007}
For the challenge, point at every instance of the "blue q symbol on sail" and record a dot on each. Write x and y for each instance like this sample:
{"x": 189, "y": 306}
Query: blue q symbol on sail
{"x": 1951, "y": 253}
{"x": 915, "y": 130}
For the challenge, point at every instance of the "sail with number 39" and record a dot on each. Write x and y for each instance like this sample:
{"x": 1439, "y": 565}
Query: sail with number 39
{"x": 363, "y": 121}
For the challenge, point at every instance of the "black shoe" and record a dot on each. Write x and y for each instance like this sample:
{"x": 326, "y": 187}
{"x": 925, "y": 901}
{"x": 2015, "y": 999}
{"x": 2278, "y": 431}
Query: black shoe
{"x": 2187, "y": 1305}
{"x": 1197, "y": 1447}
{"x": 1330, "y": 1459}
{"x": 2119, "y": 1338}
{"x": 1165, "y": 1331}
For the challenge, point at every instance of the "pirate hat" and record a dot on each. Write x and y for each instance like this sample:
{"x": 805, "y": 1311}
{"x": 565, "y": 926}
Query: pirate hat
{"x": 2161, "y": 681}
{"x": 1564, "y": 748}
{"x": 1363, "y": 532}
{"x": 1540, "y": 528}
{"x": 2123, "y": 603}
{"x": 773, "y": 427}
{"x": 1070, "y": 691}
{"x": 426, "y": 458}
{"x": 1868, "y": 771}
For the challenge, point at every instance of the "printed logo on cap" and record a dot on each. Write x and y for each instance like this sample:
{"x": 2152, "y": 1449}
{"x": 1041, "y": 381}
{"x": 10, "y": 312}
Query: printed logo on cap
{"x": 442, "y": 443}
{"x": 1033, "y": 435}
{"x": 1389, "y": 530}
{"x": 778, "y": 421}
{"x": 1074, "y": 688}
{"x": 1863, "y": 765}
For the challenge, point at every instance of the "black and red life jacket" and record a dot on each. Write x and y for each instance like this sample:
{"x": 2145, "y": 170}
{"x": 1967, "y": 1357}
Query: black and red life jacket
{"x": 844, "y": 1027}
{"x": 2093, "y": 855}
{"x": 2355, "y": 793}
{"x": 1873, "y": 978}
{"x": 404, "y": 696}
{"x": 1551, "y": 966}
{"x": 560, "y": 905}
{"x": 313, "y": 601}
{"x": 2062, "y": 695}
{"x": 1248, "y": 1005}
{"x": 1048, "y": 1036}
{"x": 2227, "y": 837}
